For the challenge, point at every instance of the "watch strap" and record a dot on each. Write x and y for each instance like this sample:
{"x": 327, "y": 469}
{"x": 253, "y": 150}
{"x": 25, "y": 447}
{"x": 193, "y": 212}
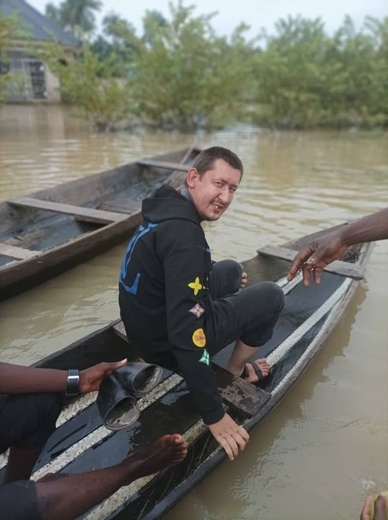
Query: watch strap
{"x": 72, "y": 382}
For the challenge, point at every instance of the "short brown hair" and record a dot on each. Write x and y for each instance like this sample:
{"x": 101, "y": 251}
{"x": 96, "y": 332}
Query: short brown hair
{"x": 207, "y": 157}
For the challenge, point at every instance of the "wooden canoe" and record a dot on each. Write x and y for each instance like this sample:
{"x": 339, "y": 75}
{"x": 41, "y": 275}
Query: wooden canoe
{"x": 81, "y": 442}
{"x": 52, "y": 230}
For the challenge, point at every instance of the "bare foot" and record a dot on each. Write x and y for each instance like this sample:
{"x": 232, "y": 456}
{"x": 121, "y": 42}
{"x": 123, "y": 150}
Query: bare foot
{"x": 166, "y": 451}
{"x": 252, "y": 376}
{"x": 244, "y": 279}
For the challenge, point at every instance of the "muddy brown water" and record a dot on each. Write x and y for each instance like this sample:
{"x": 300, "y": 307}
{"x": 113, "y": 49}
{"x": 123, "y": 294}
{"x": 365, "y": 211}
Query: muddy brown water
{"x": 326, "y": 445}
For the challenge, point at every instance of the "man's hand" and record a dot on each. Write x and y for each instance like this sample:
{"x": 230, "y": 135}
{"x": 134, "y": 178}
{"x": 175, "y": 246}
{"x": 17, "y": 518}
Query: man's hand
{"x": 91, "y": 378}
{"x": 232, "y": 437}
{"x": 316, "y": 256}
{"x": 380, "y": 508}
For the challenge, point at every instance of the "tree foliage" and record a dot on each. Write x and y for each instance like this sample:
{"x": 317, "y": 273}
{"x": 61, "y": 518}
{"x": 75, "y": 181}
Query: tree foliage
{"x": 118, "y": 43}
{"x": 187, "y": 77}
{"x": 4, "y": 74}
{"x": 306, "y": 78}
{"x": 88, "y": 83}
{"x": 77, "y": 16}
{"x": 10, "y": 27}
{"x": 181, "y": 74}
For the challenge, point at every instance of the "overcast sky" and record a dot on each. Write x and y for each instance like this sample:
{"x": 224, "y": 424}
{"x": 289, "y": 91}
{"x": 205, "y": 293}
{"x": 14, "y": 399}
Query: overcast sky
{"x": 256, "y": 13}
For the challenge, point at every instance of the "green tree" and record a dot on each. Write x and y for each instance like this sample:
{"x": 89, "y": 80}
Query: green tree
{"x": 291, "y": 73}
{"x": 88, "y": 83}
{"x": 10, "y": 28}
{"x": 378, "y": 30}
{"x": 121, "y": 32}
{"x": 350, "y": 63}
{"x": 186, "y": 77}
{"x": 54, "y": 13}
{"x": 4, "y": 73}
{"x": 151, "y": 19}
{"x": 77, "y": 16}
{"x": 119, "y": 42}
{"x": 306, "y": 78}
{"x": 112, "y": 46}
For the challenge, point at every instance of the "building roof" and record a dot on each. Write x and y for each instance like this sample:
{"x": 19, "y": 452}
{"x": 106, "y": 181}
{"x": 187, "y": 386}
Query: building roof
{"x": 40, "y": 27}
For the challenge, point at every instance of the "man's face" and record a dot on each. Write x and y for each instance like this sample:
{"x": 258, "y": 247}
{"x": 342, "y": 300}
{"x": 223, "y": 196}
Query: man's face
{"x": 213, "y": 191}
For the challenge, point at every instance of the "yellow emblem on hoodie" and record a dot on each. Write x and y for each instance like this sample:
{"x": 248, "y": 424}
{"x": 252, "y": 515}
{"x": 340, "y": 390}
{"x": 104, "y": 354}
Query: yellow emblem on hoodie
{"x": 196, "y": 286}
{"x": 199, "y": 338}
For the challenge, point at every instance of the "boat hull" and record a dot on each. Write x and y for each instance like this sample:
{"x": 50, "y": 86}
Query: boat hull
{"x": 81, "y": 443}
{"x": 53, "y": 230}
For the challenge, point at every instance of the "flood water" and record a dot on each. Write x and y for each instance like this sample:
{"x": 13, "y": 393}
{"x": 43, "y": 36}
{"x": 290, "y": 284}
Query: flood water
{"x": 326, "y": 445}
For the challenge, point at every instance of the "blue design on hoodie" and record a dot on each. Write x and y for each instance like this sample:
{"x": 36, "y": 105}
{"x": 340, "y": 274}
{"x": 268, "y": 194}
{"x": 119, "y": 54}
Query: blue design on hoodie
{"x": 141, "y": 230}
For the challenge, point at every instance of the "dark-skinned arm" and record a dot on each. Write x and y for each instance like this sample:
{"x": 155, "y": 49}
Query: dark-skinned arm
{"x": 367, "y": 229}
{"x": 66, "y": 496}
{"x": 16, "y": 379}
{"x": 327, "y": 248}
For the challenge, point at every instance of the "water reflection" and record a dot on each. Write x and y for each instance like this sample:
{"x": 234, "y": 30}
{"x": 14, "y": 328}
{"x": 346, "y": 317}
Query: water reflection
{"x": 313, "y": 455}
{"x": 303, "y": 433}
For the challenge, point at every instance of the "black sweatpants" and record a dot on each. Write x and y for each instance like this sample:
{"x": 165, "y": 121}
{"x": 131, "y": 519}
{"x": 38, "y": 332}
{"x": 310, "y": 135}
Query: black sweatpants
{"x": 248, "y": 314}
{"x": 18, "y": 501}
{"x": 28, "y": 420}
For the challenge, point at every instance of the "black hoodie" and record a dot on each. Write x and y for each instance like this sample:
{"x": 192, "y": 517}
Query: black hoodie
{"x": 164, "y": 299}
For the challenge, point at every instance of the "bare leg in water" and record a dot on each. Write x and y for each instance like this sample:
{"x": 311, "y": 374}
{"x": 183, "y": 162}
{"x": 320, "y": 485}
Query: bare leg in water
{"x": 67, "y": 497}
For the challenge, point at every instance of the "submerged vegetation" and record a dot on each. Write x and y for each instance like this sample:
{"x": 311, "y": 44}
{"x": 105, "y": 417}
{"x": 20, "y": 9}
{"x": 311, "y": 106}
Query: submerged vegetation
{"x": 10, "y": 28}
{"x": 87, "y": 83}
{"x": 307, "y": 78}
{"x": 179, "y": 73}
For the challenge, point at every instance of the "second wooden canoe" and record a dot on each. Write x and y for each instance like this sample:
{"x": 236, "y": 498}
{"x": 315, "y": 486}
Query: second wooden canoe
{"x": 47, "y": 232}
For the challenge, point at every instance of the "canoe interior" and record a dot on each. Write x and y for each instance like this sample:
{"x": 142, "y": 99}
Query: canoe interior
{"x": 300, "y": 303}
{"x": 120, "y": 189}
{"x": 48, "y": 232}
{"x": 173, "y": 410}
{"x": 43, "y": 232}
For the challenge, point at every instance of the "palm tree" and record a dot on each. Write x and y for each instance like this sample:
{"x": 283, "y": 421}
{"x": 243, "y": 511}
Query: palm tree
{"x": 53, "y": 12}
{"x": 78, "y": 16}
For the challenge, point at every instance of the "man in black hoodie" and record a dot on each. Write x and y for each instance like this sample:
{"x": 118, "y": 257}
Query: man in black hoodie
{"x": 178, "y": 310}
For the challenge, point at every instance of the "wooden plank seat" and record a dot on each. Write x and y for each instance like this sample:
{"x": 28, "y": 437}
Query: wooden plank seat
{"x": 16, "y": 252}
{"x": 165, "y": 165}
{"x": 240, "y": 395}
{"x": 80, "y": 212}
{"x": 127, "y": 206}
{"x": 338, "y": 267}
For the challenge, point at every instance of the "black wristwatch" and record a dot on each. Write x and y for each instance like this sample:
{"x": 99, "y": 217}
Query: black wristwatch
{"x": 72, "y": 382}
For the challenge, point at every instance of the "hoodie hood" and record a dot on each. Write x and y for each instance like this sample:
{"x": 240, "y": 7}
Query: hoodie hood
{"x": 167, "y": 204}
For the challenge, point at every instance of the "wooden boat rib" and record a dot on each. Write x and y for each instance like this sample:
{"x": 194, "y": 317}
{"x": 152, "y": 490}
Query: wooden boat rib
{"x": 81, "y": 442}
{"x": 52, "y": 230}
